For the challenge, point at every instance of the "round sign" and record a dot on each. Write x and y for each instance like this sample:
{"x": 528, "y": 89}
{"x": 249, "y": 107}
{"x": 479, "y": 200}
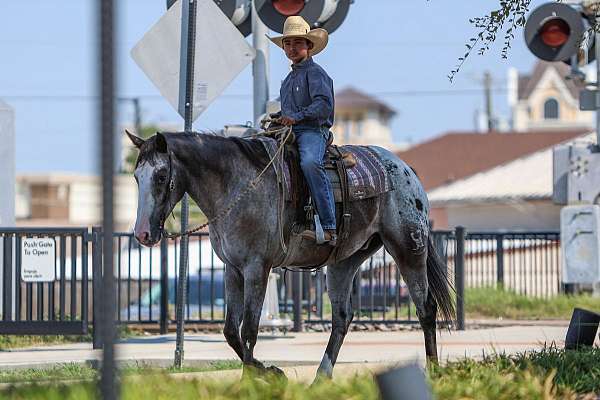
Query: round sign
{"x": 274, "y": 17}
{"x": 553, "y": 31}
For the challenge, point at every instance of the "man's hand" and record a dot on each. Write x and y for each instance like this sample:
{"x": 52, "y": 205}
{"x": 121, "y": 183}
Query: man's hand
{"x": 287, "y": 121}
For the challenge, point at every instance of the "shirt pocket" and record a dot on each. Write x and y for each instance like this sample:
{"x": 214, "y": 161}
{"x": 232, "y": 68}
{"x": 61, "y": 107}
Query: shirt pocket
{"x": 299, "y": 91}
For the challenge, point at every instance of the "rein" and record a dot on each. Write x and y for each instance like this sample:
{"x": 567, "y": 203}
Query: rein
{"x": 250, "y": 186}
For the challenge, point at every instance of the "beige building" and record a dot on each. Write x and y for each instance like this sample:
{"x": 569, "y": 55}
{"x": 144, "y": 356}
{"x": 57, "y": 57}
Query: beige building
{"x": 71, "y": 200}
{"x": 362, "y": 119}
{"x": 546, "y": 99}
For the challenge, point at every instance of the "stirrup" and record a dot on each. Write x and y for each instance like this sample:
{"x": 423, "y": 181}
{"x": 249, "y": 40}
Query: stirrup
{"x": 319, "y": 233}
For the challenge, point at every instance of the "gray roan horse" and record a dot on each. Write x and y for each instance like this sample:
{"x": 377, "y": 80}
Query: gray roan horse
{"x": 214, "y": 169}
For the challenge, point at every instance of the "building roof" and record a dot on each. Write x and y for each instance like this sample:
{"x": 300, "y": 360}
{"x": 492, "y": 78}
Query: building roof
{"x": 353, "y": 98}
{"x": 526, "y": 178}
{"x": 457, "y": 155}
{"x": 528, "y": 83}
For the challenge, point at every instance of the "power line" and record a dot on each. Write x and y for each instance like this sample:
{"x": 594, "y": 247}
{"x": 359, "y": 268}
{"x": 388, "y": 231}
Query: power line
{"x": 407, "y": 93}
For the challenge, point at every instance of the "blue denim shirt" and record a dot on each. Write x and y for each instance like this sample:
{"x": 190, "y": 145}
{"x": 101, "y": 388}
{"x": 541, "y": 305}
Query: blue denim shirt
{"x": 307, "y": 95}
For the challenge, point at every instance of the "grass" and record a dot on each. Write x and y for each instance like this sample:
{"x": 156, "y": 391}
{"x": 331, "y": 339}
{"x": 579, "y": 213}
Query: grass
{"x": 547, "y": 374}
{"x": 495, "y": 303}
{"x": 9, "y": 342}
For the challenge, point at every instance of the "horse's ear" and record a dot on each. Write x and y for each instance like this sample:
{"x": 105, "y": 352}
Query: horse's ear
{"x": 161, "y": 143}
{"x": 137, "y": 141}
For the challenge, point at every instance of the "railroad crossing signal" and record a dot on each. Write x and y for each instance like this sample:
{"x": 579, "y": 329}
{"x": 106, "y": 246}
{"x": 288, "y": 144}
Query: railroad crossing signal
{"x": 237, "y": 11}
{"x": 326, "y": 14}
{"x": 557, "y": 32}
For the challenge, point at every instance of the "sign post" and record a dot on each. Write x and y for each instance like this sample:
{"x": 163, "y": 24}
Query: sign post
{"x": 109, "y": 385}
{"x": 186, "y": 101}
{"x": 167, "y": 55}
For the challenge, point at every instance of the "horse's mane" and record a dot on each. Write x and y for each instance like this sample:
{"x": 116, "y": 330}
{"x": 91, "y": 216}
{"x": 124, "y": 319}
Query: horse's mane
{"x": 251, "y": 148}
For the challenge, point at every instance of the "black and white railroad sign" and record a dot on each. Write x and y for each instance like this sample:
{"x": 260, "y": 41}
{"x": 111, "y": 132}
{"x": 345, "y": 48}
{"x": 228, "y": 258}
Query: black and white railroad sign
{"x": 38, "y": 259}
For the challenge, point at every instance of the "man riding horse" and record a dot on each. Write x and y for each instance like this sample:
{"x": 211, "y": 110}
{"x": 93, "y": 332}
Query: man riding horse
{"x": 307, "y": 104}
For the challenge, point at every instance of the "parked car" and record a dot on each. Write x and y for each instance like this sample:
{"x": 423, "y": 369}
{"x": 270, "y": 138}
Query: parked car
{"x": 202, "y": 295}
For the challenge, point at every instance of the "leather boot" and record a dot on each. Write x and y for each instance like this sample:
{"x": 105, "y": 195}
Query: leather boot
{"x": 330, "y": 236}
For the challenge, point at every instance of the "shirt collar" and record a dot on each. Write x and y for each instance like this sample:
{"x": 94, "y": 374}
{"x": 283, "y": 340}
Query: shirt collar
{"x": 304, "y": 64}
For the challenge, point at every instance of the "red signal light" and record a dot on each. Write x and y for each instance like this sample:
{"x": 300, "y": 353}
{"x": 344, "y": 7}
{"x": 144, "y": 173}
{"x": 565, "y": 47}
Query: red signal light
{"x": 288, "y": 7}
{"x": 555, "y": 32}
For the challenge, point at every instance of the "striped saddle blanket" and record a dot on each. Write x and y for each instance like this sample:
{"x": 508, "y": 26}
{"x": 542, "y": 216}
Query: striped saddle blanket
{"x": 367, "y": 178}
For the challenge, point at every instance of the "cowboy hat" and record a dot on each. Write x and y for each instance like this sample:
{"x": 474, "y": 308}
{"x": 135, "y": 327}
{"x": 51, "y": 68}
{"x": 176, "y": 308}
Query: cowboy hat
{"x": 296, "y": 26}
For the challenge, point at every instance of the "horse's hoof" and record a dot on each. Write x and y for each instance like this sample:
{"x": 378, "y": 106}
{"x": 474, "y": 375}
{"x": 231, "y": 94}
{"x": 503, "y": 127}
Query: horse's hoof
{"x": 252, "y": 370}
{"x": 320, "y": 378}
{"x": 276, "y": 371}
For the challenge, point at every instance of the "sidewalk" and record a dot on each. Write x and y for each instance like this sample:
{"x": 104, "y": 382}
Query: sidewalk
{"x": 302, "y": 348}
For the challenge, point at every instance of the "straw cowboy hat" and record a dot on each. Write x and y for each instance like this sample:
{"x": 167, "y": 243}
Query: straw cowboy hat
{"x": 296, "y": 26}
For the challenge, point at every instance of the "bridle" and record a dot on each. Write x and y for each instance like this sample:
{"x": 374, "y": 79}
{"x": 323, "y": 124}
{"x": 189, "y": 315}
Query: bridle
{"x": 250, "y": 185}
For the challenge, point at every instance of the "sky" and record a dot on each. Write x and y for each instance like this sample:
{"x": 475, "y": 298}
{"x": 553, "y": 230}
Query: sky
{"x": 400, "y": 51}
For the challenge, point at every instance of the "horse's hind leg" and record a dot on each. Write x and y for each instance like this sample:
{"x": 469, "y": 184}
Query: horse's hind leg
{"x": 234, "y": 286}
{"x": 339, "y": 284}
{"x": 410, "y": 254}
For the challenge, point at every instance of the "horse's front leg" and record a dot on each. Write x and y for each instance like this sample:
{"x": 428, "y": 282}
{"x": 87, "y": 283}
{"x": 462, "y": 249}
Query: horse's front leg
{"x": 256, "y": 276}
{"x": 234, "y": 287}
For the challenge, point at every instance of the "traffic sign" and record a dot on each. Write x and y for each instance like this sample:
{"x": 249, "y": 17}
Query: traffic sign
{"x": 38, "y": 259}
{"x": 221, "y": 54}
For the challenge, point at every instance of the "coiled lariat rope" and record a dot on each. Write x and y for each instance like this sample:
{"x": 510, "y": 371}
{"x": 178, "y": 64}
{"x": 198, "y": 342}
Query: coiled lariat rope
{"x": 250, "y": 186}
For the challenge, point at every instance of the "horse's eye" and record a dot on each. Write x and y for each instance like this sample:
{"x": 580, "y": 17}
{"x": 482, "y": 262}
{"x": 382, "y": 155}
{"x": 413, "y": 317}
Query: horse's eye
{"x": 162, "y": 179}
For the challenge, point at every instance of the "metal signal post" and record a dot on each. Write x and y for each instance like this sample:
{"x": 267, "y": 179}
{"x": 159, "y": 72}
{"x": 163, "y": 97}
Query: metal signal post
{"x": 186, "y": 100}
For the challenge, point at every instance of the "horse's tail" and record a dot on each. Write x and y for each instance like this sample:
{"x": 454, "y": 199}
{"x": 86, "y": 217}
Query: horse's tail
{"x": 439, "y": 286}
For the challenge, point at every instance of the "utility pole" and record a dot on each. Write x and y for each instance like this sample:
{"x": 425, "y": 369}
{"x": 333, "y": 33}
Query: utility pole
{"x": 137, "y": 115}
{"x": 487, "y": 87}
{"x": 596, "y": 285}
{"x": 260, "y": 66}
{"x": 597, "y": 47}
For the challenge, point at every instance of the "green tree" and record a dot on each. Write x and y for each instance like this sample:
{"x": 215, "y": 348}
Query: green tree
{"x": 504, "y": 20}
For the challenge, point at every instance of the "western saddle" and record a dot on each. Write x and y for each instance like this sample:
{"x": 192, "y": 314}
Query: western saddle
{"x": 336, "y": 162}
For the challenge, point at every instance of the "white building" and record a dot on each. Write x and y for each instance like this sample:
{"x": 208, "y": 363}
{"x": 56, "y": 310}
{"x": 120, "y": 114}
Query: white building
{"x": 515, "y": 196}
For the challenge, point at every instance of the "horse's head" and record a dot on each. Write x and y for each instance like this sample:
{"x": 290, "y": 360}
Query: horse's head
{"x": 158, "y": 192}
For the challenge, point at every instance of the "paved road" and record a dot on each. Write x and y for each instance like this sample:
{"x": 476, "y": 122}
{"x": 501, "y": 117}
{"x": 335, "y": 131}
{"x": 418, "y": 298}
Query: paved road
{"x": 305, "y": 348}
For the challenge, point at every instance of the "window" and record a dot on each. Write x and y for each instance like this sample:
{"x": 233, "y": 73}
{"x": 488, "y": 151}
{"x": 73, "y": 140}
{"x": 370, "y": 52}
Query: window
{"x": 551, "y": 109}
{"x": 359, "y": 127}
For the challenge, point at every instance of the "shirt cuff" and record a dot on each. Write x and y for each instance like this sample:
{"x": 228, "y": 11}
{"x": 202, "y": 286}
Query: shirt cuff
{"x": 297, "y": 116}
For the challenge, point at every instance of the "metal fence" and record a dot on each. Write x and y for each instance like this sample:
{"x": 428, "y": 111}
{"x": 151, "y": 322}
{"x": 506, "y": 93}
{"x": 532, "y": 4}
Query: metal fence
{"x": 60, "y": 306}
{"x": 528, "y": 263}
{"x": 146, "y": 279}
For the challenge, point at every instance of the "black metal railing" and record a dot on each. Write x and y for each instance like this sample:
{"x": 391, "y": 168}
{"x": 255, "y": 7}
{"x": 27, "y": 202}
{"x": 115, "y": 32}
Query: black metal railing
{"x": 146, "y": 278}
{"x": 32, "y": 304}
{"x": 527, "y": 263}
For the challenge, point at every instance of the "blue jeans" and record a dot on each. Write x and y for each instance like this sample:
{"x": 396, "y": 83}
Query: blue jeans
{"x": 311, "y": 144}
